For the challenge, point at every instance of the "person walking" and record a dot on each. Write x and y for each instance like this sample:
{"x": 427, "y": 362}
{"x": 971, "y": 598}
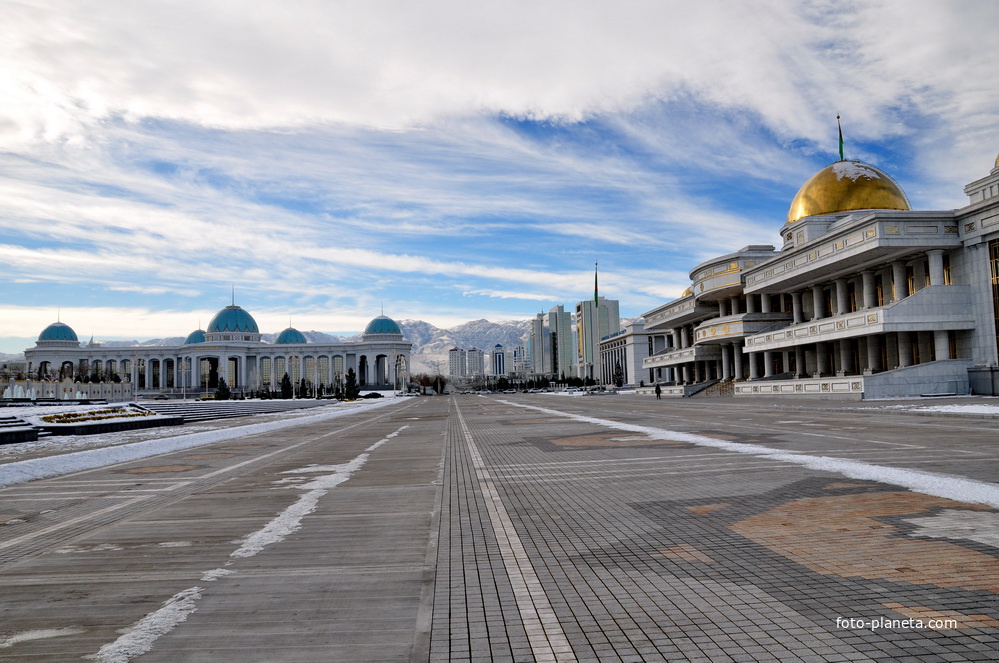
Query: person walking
{"x": 659, "y": 392}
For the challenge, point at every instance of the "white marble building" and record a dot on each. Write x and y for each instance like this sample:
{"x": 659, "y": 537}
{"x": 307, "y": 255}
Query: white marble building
{"x": 865, "y": 299}
{"x": 628, "y": 349}
{"x": 231, "y": 348}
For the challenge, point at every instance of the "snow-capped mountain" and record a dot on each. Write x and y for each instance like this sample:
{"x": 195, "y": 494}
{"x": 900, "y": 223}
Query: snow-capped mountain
{"x": 431, "y": 344}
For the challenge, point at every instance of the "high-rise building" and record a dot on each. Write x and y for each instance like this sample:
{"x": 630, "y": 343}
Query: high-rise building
{"x": 541, "y": 361}
{"x": 499, "y": 360}
{"x": 560, "y": 342}
{"x": 595, "y": 319}
{"x": 456, "y": 362}
{"x": 519, "y": 361}
{"x": 475, "y": 362}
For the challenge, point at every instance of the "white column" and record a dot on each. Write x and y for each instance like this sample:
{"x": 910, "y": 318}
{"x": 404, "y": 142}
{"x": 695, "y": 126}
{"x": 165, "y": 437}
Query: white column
{"x": 936, "y": 266}
{"x": 842, "y": 297}
{"x": 870, "y": 293}
{"x": 765, "y": 303}
{"x": 874, "y": 353}
{"x": 796, "y": 307}
{"x": 904, "y": 348}
{"x": 900, "y": 287}
{"x": 941, "y": 344}
{"x": 845, "y": 356}
{"x": 817, "y": 299}
{"x": 737, "y": 356}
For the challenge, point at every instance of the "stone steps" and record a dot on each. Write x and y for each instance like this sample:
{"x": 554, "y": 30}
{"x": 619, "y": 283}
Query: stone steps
{"x": 210, "y": 410}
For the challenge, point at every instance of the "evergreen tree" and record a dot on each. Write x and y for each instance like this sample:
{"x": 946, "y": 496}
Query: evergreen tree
{"x": 351, "y": 390}
{"x": 618, "y": 375}
{"x": 223, "y": 393}
{"x": 286, "y": 389}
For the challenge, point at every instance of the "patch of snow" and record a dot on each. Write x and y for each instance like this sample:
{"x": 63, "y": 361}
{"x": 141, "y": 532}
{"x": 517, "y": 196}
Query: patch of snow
{"x": 854, "y": 171}
{"x": 50, "y": 466}
{"x": 140, "y": 637}
{"x": 38, "y": 634}
{"x": 980, "y": 526}
{"x": 83, "y": 547}
{"x": 215, "y": 574}
{"x": 960, "y": 409}
{"x": 930, "y": 483}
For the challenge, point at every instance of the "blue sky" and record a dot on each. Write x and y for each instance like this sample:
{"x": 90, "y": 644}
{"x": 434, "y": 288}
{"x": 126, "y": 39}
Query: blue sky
{"x": 446, "y": 160}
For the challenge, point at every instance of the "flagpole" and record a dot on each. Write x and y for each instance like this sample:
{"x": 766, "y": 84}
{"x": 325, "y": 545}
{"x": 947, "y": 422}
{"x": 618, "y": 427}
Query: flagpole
{"x": 596, "y": 299}
{"x": 840, "y": 127}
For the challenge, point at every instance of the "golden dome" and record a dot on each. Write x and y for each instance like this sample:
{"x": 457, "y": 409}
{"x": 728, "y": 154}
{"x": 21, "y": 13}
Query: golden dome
{"x": 845, "y": 186}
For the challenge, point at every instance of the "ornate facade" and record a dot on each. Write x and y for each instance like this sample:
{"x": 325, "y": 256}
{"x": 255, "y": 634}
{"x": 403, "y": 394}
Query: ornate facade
{"x": 865, "y": 299}
{"x": 230, "y": 348}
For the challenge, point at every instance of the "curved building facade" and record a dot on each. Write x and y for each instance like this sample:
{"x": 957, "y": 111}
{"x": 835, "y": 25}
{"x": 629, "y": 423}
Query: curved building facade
{"x": 866, "y": 298}
{"x": 231, "y": 348}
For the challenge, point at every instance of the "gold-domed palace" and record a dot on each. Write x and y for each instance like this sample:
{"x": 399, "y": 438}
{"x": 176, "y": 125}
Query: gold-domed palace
{"x": 230, "y": 348}
{"x": 866, "y": 298}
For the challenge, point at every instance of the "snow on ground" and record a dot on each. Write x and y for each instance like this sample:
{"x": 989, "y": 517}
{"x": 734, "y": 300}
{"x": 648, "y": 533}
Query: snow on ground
{"x": 930, "y": 483}
{"x": 74, "y": 453}
{"x": 961, "y": 409}
{"x": 951, "y": 408}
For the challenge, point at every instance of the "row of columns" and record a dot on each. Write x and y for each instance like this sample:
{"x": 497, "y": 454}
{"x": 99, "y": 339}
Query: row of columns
{"x": 899, "y": 290}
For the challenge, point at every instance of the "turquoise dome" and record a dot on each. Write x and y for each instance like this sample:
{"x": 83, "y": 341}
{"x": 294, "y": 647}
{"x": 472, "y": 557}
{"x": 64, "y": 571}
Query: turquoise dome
{"x": 58, "y": 331}
{"x": 232, "y": 319}
{"x": 383, "y": 325}
{"x": 197, "y": 336}
{"x": 291, "y": 335}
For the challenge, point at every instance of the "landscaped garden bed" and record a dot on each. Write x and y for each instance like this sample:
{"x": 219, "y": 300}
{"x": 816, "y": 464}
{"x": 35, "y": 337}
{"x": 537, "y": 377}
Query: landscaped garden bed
{"x": 106, "y": 420}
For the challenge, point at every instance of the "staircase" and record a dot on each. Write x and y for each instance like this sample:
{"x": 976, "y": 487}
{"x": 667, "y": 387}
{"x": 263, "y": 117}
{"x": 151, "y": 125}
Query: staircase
{"x": 209, "y": 410}
{"x": 722, "y": 389}
{"x": 13, "y": 429}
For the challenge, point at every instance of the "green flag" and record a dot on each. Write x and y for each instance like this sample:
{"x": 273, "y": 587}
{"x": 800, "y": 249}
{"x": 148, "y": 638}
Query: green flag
{"x": 841, "y": 157}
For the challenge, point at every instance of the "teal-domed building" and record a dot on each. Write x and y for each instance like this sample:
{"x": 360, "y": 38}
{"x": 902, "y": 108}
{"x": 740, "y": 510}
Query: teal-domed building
{"x": 290, "y": 336}
{"x": 58, "y": 332}
{"x": 230, "y": 347}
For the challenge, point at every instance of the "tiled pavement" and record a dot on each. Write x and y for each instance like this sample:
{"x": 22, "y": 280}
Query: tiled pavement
{"x": 504, "y": 529}
{"x": 647, "y": 549}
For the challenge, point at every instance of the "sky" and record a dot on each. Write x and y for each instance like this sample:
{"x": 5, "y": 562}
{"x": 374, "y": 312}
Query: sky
{"x": 446, "y": 160}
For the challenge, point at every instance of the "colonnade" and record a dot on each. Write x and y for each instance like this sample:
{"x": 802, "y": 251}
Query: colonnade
{"x": 870, "y": 288}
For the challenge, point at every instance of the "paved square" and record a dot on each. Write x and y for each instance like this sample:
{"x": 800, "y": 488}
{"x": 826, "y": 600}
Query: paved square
{"x": 523, "y": 528}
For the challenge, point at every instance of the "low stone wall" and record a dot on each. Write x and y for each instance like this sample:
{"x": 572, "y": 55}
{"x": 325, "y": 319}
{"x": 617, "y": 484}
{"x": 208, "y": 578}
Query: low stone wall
{"x": 110, "y": 426}
{"x": 841, "y": 388}
{"x": 933, "y": 378}
{"x": 984, "y": 380}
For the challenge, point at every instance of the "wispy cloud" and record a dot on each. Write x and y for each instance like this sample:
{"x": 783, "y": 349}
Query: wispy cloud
{"x": 449, "y": 157}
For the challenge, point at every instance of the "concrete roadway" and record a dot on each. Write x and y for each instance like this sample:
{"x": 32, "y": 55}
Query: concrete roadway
{"x": 523, "y": 528}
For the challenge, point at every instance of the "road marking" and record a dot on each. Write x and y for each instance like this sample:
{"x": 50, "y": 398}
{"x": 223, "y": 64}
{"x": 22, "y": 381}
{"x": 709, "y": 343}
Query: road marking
{"x": 544, "y": 632}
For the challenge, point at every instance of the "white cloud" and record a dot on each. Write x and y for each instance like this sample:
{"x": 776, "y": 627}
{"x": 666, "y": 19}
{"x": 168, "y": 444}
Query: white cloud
{"x": 335, "y": 154}
{"x": 69, "y": 64}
